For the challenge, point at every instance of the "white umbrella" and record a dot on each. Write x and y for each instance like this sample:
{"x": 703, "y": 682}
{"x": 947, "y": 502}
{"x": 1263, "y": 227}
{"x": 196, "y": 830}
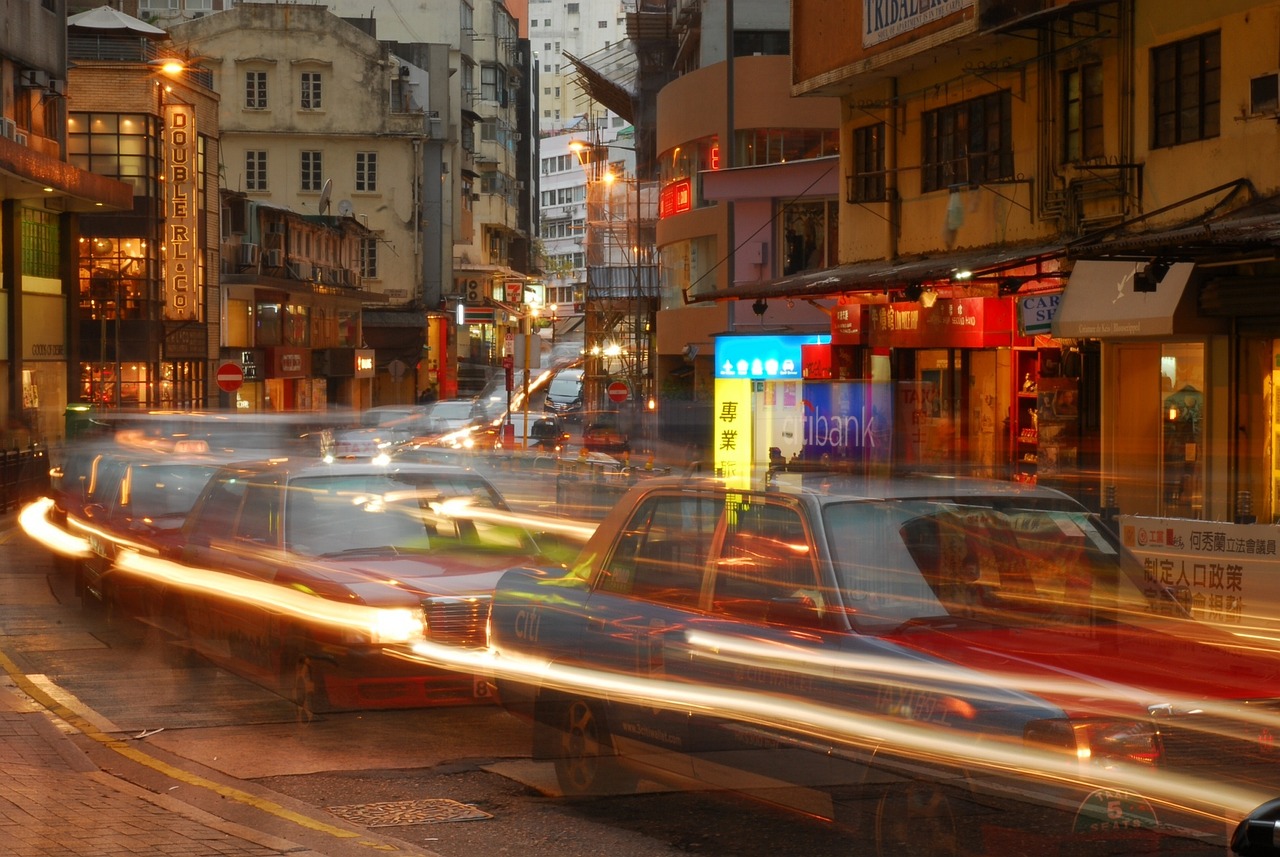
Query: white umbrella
{"x": 107, "y": 18}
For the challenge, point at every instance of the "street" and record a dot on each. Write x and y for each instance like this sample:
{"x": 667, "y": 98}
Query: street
{"x": 177, "y": 730}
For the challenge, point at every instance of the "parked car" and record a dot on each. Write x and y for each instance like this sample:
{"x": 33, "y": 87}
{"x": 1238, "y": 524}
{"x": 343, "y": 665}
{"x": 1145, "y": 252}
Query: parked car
{"x": 309, "y": 577}
{"x": 564, "y": 394}
{"x": 923, "y": 660}
{"x": 601, "y": 433}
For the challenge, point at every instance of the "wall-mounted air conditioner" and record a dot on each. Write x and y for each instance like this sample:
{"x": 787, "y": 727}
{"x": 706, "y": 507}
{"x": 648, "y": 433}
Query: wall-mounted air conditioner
{"x": 248, "y": 254}
{"x": 274, "y": 258}
{"x": 1264, "y": 94}
{"x": 8, "y": 128}
{"x": 33, "y": 78}
{"x": 20, "y": 137}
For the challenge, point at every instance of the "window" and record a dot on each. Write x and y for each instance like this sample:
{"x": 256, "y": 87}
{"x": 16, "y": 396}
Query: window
{"x": 255, "y": 90}
{"x": 868, "y": 182}
{"x": 571, "y": 8}
{"x": 967, "y": 143}
{"x": 662, "y": 551}
{"x": 1186, "y": 90}
{"x": 117, "y": 145}
{"x": 603, "y": 25}
{"x": 310, "y": 91}
{"x": 369, "y": 258}
{"x": 311, "y": 169}
{"x": 367, "y": 171}
{"x": 255, "y": 170}
{"x": 1082, "y": 113}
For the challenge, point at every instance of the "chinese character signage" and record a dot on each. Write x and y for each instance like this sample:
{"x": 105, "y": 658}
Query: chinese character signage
{"x": 764, "y": 358}
{"x": 731, "y": 432}
{"x": 676, "y": 197}
{"x": 1223, "y": 573}
{"x": 182, "y": 295}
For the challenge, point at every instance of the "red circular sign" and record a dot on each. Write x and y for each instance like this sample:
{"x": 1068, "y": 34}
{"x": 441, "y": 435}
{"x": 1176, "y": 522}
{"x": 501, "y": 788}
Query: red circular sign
{"x": 230, "y": 377}
{"x": 618, "y": 391}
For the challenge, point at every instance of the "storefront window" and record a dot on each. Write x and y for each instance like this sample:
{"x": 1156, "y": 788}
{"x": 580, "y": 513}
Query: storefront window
{"x": 1182, "y": 409}
{"x": 115, "y": 278}
{"x": 238, "y": 329}
{"x": 297, "y": 327}
{"x": 270, "y": 324}
{"x": 687, "y": 265}
{"x": 348, "y": 328}
{"x": 760, "y": 146}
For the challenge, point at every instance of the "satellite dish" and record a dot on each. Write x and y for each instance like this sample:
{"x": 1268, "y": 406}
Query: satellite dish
{"x": 325, "y": 193}
{"x": 346, "y": 209}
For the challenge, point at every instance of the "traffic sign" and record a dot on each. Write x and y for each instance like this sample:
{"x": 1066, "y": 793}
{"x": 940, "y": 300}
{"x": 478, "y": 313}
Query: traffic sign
{"x": 618, "y": 391}
{"x": 230, "y": 376}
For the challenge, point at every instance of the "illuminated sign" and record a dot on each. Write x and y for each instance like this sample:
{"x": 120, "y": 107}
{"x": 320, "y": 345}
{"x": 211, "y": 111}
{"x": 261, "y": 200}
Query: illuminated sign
{"x": 676, "y": 197}
{"x": 766, "y": 357}
{"x": 182, "y": 296}
{"x": 732, "y": 432}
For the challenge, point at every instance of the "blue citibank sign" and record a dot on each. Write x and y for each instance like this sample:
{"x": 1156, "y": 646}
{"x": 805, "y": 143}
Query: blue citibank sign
{"x": 764, "y": 357}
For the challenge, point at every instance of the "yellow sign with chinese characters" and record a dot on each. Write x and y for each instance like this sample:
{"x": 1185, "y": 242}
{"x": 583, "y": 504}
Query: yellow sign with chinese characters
{"x": 732, "y": 431}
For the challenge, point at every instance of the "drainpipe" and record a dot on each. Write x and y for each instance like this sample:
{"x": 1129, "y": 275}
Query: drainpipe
{"x": 726, "y": 155}
{"x": 894, "y": 223}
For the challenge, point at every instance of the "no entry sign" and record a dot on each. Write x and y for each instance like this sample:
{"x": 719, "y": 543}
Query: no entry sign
{"x": 230, "y": 377}
{"x": 618, "y": 391}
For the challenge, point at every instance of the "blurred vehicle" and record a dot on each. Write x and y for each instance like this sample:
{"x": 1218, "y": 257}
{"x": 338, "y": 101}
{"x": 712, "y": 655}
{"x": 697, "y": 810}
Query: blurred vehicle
{"x": 449, "y": 415}
{"x": 564, "y": 393}
{"x": 897, "y": 656}
{"x": 366, "y": 443}
{"x": 543, "y": 432}
{"x": 601, "y": 433}
{"x": 315, "y": 578}
{"x": 138, "y": 502}
{"x": 410, "y": 420}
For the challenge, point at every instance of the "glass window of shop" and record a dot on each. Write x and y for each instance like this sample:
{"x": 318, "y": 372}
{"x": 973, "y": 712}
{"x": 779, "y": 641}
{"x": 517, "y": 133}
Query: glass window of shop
{"x": 808, "y": 235}
{"x": 117, "y": 278}
{"x": 237, "y": 329}
{"x": 685, "y": 163}
{"x": 687, "y": 265}
{"x": 348, "y": 328}
{"x": 269, "y": 315}
{"x": 759, "y": 146}
{"x": 123, "y": 146}
{"x": 1182, "y": 411}
{"x": 297, "y": 324}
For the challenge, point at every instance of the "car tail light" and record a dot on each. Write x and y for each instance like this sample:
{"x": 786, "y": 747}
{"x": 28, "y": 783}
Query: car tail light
{"x": 1103, "y": 742}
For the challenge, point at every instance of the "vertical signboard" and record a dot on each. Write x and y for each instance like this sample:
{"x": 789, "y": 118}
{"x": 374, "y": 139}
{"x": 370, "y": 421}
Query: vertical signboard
{"x": 182, "y": 297}
{"x": 732, "y": 432}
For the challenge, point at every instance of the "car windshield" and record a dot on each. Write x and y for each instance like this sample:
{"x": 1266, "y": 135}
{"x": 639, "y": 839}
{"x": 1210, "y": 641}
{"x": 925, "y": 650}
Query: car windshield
{"x": 333, "y": 515}
{"x": 166, "y": 490}
{"x": 565, "y": 387}
{"x": 452, "y": 410}
{"x": 921, "y": 561}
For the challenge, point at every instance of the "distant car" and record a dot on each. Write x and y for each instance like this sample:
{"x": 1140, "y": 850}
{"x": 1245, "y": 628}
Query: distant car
{"x": 600, "y": 433}
{"x": 308, "y": 577}
{"x": 564, "y": 393}
{"x": 934, "y": 663}
{"x": 410, "y": 420}
{"x": 367, "y": 442}
{"x": 449, "y": 415}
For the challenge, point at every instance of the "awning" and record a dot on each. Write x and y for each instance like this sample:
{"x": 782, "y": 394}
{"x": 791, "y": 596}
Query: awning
{"x": 1100, "y": 302}
{"x": 880, "y": 275}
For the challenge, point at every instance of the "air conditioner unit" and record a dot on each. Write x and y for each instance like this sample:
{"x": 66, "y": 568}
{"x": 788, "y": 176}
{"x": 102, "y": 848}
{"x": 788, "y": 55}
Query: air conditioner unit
{"x": 34, "y": 78}
{"x": 275, "y": 257}
{"x": 1264, "y": 94}
{"x": 518, "y": 136}
{"x": 58, "y": 86}
{"x": 248, "y": 254}
{"x": 519, "y": 185}
{"x": 8, "y": 128}
{"x": 304, "y": 270}
{"x": 20, "y": 138}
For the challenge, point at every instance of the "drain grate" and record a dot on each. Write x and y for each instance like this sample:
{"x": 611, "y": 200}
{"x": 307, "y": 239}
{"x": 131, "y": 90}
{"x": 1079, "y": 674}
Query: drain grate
{"x": 397, "y": 812}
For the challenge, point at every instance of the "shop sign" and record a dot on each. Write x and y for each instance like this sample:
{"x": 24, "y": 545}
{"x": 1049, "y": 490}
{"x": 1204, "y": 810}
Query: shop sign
{"x": 848, "y": 323}
{"x": 252, "y": 361}
{"x": 676, "y": 197}
{"x": 886, "y": 19}
{"x": 953, "y": 323}
{"x": 816, "y": 361}
{"x": 844, "y": 422}
{"x": 1224, "y": 573}
{"x": 1036, "y": 312}
{"x": 182, "y": 294}
{"x": 185, "y": 340}
{"x": 366, "y": 365}
{"x": 289, "y": 362}
{"x": 765, "y": 357}
{"x": 732, "y": 431}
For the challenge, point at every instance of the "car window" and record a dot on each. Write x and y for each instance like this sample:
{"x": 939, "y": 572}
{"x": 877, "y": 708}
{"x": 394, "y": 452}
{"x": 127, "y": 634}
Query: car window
{"x": 165, "y": 489}
{"x": 662, "y": 551}
{"x": 765, "y": 570}
{"x": 260, "y": 518}
{"x": 899, "y": 562}
{"x": 221, "y": 506}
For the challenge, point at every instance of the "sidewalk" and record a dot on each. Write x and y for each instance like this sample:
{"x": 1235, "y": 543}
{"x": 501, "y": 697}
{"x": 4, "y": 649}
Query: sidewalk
{"x": 64, "y": 791}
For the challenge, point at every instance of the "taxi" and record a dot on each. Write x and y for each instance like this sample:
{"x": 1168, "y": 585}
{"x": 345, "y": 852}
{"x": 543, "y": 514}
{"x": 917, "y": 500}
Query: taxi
{"x": 314, "y": 578}
{"x": 930, "y": 662}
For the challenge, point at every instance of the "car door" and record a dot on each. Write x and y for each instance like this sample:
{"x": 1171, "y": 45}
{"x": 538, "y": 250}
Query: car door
{"x": 645, "y": 594}
{"x": 767, "y": 642}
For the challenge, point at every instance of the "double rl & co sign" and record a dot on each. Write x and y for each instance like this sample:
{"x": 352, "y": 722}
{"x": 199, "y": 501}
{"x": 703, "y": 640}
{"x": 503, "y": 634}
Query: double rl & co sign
{"x": 182, "y": 300}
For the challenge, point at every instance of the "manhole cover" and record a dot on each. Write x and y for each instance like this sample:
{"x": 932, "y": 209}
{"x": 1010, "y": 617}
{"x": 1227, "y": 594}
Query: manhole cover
{"x": 396, "y": 812}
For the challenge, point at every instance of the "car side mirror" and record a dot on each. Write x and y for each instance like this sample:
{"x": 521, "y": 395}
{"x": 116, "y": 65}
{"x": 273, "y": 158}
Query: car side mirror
{"x": 1258, "y": 835}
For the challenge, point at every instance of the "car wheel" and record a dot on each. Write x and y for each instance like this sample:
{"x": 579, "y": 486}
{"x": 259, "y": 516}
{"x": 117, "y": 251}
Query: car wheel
{"x": 585, "y": 761}
{"x": 912, "y": 813}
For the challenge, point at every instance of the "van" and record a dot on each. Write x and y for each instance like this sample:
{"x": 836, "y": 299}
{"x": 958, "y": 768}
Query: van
{"x": 564, "y": 395}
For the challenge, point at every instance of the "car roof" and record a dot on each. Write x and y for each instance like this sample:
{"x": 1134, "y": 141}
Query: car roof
{"x": 297, "y": 468}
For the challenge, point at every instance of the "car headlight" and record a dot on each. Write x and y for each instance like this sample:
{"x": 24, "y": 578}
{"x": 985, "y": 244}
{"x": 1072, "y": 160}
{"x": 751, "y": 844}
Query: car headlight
{"x": 1103, "y": 742}
{"x": 397, "y": 627}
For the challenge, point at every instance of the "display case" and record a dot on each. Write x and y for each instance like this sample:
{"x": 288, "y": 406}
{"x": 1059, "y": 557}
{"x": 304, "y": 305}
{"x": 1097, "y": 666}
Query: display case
{"x": 1024, "y": 427}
